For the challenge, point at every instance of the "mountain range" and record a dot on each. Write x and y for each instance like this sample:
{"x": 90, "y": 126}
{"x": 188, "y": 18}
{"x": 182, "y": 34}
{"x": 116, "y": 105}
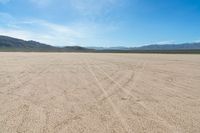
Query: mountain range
{"x": 14, "y": 44}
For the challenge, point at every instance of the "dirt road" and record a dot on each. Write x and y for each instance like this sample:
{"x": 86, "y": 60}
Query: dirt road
{"x": 99, "y": 93}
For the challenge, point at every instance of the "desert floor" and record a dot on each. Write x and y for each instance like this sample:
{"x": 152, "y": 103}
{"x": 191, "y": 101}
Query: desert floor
{"x": 99, "y": 93}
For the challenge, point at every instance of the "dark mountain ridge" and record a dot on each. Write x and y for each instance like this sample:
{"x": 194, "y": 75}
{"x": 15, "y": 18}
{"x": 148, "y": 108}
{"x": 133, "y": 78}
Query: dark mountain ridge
{"x": 14, "y": 44}
{"x": 183, "y": 46}
{"x": 11, "y": 42}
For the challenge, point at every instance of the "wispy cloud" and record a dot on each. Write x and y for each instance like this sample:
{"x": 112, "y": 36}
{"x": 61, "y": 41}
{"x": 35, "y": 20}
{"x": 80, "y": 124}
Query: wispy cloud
{"x": 56, "y": 34}
{"x": 165, "y": 42}
{"x": 85, "y": 31}
{"x": 44, "y": 31}
{"x": 77, "y": 33}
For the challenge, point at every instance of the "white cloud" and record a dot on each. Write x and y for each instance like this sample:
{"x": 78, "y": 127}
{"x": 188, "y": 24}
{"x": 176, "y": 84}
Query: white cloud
{"x": 165, "y": 42}
{"x": 52, "y": 27}
{"x": 44, "y": 31}
{"x": 57, "y": 34}
{"x": 15, "y": 33}
{"x": 53, "y": 39}
{"x": 78, "y": 33}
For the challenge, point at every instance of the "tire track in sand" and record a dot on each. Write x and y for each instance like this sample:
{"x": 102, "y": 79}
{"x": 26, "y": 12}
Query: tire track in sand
{"x": 116, "y": 110}
{"x": 165, "y": 123}
{"x": 30, "y": 79}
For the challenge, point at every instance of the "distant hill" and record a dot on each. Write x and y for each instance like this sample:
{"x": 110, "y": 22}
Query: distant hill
{"x": 78, "y": 48}
{"x": 187, "y": 48}
{"x": 9, "y": 42}
{"x": 183, "y": 46}
{"x": 14, "y": 44}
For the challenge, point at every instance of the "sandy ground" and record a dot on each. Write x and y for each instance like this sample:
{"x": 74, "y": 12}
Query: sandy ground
{"x": 99, "y": 93}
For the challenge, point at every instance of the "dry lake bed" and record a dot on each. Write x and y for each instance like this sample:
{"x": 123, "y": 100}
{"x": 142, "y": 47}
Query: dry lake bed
{"x": 99, "y": 93}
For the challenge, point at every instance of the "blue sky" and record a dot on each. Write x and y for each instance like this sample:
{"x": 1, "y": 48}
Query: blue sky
{"x": 101, "y": 22}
